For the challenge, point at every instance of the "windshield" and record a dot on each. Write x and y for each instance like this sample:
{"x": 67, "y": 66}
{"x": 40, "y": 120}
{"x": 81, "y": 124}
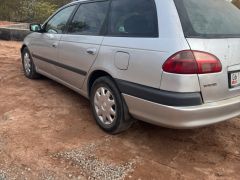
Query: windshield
{"x": 209, "y": 18}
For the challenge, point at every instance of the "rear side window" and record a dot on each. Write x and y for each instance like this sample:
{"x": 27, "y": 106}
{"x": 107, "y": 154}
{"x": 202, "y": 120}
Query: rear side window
{"x": 135, "y": 18}
{"x": 89, "y": 18}
{"x": 209, "y": 18}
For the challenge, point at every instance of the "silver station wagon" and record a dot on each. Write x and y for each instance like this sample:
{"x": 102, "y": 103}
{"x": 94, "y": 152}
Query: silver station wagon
{"x": 173, "y": 63}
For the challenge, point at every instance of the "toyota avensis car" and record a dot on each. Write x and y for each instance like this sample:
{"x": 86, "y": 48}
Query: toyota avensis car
{"x": 174, "y": 63}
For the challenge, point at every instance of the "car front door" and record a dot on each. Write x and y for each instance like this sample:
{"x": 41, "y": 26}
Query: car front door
{"x": 79, "y": 47}
{"x": 44, "y": 47}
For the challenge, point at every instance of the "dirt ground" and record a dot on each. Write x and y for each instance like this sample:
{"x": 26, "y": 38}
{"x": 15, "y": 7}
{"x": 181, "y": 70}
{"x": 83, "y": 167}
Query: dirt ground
{"x": 47, "y": 132}
{"x": 4, "y": 23}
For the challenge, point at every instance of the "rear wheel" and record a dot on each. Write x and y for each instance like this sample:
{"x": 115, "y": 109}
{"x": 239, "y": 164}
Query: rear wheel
{"x": 28, "y": 65}
{"x": 109, "y": 109}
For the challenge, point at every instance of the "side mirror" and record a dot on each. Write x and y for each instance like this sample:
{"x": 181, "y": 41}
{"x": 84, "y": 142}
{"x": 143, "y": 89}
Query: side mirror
{"x": 36, "y": 28}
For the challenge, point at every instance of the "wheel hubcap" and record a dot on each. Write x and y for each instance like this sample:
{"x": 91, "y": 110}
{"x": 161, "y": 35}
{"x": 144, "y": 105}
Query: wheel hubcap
{"x": 105, "y": 106}
{"x": 27, "y": 63}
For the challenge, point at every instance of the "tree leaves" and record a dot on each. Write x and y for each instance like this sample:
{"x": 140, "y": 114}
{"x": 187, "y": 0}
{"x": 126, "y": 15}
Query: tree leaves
{"x": 29, "y": 10}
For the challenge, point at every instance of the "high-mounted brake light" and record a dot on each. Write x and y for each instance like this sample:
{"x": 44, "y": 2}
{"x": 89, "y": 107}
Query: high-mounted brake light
{"x": 192, "y": 62}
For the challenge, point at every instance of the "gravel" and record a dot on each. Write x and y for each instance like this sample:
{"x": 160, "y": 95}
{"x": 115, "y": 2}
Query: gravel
{"x": 47, "y": 175}
{"x": 93, "y": 167}
{"x": 3, "y": 175}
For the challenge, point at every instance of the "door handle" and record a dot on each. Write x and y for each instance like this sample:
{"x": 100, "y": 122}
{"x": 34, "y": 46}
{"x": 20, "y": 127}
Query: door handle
{"x": 55, "y": 45}
{"x": 92, "y": 51}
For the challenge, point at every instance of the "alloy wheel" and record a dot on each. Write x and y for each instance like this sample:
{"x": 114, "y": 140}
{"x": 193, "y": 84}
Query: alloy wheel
{"x": 27, "y": 63}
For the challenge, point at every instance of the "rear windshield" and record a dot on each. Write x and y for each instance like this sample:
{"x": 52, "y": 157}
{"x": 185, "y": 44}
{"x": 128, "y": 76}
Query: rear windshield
{"x": 209, "y": 18}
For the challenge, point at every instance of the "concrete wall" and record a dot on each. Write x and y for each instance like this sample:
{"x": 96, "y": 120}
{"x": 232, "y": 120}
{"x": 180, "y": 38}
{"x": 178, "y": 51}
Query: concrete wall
{"x": 16, "y": 32}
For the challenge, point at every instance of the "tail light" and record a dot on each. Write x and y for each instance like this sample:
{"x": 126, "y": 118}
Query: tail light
{"x": 192, "y": 62}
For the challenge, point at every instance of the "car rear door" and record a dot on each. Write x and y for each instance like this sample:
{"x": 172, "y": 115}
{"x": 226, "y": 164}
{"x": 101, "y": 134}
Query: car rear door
{"x": 214, "y": 27}
{"x": 79, "y": 48}
{"x": 132, "y": 47}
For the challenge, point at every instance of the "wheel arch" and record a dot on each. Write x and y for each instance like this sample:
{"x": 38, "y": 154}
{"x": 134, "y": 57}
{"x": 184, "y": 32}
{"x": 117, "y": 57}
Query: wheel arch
{"x": 95, "y": 75}
{"x": 23, "y": 47}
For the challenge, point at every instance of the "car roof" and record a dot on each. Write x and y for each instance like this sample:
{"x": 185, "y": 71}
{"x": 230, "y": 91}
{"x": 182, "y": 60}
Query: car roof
{"x": 77, "y": 1}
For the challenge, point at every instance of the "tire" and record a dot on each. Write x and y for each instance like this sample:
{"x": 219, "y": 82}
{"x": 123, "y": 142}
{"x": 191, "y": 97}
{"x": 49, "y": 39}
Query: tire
{"x": 108, "y": 107}
{"x": 29, "y": 68}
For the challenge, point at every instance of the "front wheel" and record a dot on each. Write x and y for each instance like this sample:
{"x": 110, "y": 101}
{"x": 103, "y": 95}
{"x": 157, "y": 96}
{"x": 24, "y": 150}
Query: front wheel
{"x": 28, "y": 65}
{"x": 109, "y": 109}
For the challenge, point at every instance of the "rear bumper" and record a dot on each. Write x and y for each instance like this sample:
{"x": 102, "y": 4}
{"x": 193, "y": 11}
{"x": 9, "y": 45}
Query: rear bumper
{"x": 183, "y": 117}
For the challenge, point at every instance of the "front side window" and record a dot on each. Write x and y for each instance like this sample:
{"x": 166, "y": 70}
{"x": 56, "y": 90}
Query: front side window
{"x": 209, "y": 18}
{"x": 89, "y": 18}
{"x": 135, "y": 18}
{"x": 58, "y": 23}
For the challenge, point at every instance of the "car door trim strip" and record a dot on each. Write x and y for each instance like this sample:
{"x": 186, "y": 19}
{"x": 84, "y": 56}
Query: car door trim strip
{"x": 70, "y": 68}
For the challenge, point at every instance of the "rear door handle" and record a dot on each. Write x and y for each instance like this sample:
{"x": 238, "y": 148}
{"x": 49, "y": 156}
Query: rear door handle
{"x": 91, "y": 51}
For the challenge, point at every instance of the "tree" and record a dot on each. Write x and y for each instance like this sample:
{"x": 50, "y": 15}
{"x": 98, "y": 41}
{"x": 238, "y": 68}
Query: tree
{"x": 29, "y": 10}
{"x": 42, "y": 10}
{"x": 8, "y": 9}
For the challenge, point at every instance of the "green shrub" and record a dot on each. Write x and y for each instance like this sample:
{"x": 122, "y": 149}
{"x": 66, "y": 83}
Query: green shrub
{"x": 28, "y": 10}
{"x": 42, "y": 10}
